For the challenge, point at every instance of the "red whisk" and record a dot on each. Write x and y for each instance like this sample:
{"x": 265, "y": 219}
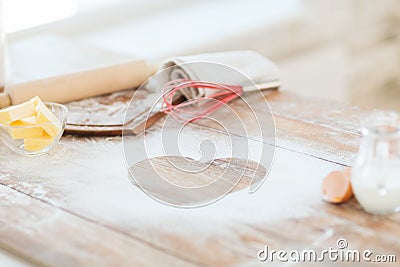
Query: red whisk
{"x": 196, "y": 108}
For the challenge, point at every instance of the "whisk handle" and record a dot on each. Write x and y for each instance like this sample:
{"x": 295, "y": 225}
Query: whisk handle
{"x": 269, "y": 85}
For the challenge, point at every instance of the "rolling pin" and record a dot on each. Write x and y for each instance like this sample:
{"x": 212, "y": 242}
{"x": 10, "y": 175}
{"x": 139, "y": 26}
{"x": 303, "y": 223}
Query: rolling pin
{"x": 79, "y": 85}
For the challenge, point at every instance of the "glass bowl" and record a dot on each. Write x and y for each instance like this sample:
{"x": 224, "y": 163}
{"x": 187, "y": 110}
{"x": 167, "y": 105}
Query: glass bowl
{"x": 40, "y": 146}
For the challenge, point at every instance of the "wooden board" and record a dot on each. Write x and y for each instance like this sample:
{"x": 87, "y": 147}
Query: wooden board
{"x": 103, "y": 115}
{"x": 77, "y": 206}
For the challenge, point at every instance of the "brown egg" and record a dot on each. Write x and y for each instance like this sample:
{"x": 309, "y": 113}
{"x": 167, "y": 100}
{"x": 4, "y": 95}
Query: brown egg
{"x": 336, "y": 187}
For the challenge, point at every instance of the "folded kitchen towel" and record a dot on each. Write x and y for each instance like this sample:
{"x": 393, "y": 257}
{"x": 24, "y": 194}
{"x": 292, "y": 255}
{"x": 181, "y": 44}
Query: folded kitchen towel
{"x": 231, "y": 68}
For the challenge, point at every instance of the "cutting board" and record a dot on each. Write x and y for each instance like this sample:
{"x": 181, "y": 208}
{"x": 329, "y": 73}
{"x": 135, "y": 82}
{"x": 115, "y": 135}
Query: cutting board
{"x": 105, "y": 115}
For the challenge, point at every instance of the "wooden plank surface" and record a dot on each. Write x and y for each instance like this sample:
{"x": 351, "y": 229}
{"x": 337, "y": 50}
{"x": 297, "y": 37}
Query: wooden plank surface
{"x": 39, "y": 233}
{"x": 76, "y": 205}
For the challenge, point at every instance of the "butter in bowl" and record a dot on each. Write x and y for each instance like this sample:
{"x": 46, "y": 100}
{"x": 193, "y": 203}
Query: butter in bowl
{"x": 33, "y": 127}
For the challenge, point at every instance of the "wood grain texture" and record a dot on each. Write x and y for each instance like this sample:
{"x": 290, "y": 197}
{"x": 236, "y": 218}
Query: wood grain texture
{"x": 84, "y": 183}
{"x": 38, "y": 232}
{"x": 226, "y": 175}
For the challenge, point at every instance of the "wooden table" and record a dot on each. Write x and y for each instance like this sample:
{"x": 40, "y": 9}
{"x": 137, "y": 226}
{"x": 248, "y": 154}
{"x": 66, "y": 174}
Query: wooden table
{"x": 77, "y": 207}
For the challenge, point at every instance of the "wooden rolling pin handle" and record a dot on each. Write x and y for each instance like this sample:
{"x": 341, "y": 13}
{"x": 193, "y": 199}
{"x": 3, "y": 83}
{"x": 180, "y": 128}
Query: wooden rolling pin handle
{"x": 5, "y": 100}
{"x": 80, "y": 85}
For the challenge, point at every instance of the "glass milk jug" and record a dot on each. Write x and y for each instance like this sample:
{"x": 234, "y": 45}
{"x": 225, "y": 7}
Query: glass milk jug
{"x": 376, "y": 172}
